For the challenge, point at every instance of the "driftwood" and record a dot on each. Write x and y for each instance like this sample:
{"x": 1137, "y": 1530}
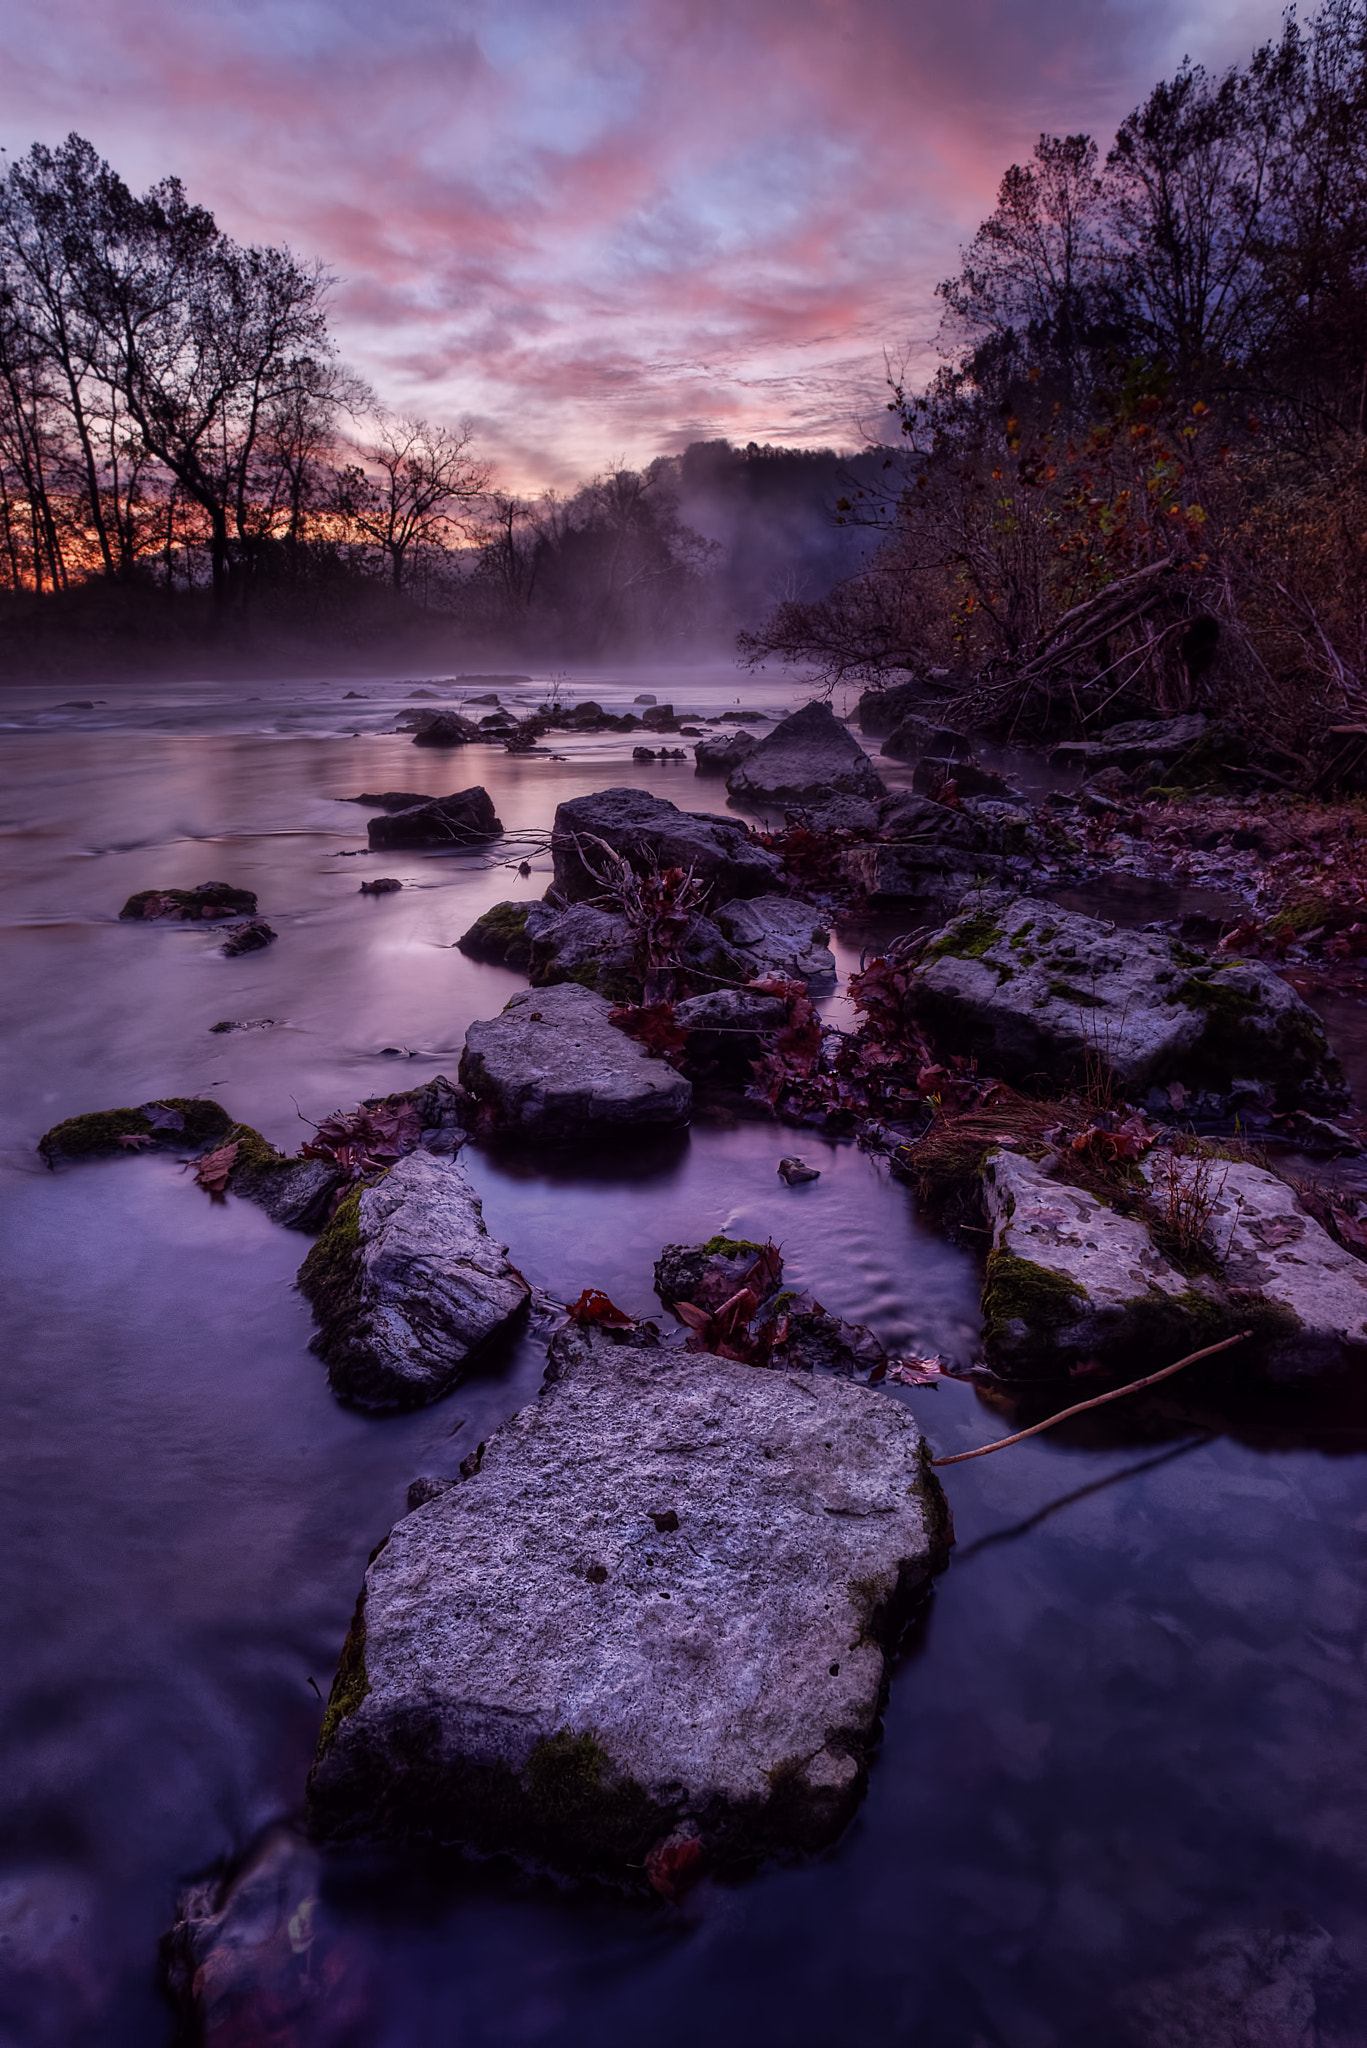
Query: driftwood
{"x": 1097, "y": 1401}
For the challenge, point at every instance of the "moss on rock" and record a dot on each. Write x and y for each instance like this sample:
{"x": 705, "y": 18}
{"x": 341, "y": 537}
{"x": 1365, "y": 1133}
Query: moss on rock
{"x": 352, "y": 1682}
{"x": 329, "y": 1276}
{"x": 1016, "y": 1290}
{"x": 499, "y": 936}
{"x": 102, "y": 1130}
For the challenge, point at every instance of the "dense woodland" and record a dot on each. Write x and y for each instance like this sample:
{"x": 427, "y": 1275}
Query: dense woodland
{"x": 1140, "y": 479}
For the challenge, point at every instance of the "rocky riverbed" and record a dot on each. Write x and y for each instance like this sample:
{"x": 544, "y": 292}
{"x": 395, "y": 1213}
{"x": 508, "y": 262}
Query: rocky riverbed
{"x": 1122, "y": 1142}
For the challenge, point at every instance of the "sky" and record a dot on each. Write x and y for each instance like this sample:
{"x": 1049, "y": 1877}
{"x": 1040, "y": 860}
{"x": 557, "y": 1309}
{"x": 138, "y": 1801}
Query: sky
{"x": 602, "y": 229}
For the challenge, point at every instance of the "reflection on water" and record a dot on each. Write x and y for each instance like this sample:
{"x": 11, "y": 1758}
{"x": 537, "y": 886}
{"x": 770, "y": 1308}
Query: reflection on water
{"x": 1132, "y": 1719}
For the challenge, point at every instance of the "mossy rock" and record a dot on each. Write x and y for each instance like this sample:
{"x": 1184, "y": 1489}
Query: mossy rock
{"x": 1017, "y": 1291}
{"x": 176, "y": 1121}
{"x": 968, "y": 938}
{"x": 208, "y": 900}
{"x": 499, "y": 937}
{"x": 329, "y": 1277}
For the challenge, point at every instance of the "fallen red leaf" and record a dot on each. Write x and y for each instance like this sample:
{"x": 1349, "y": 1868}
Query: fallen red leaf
{"x": 594, "y": 1307}
{"x": 214, "y": 1168}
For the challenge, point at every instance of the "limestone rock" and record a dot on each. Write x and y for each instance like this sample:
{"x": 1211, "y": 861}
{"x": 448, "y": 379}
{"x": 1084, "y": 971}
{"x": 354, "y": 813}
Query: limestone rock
{"x": 552, "y": 1066}
{"x": 807, "y": 755}
{"x": 777, "y": 935}
{"x": 251, "y": 937}
{"x": 732, "y": 1009}
{"x": 585, "y": 944}
{"x": 1271, "y": 1251}
{"x": 293, "y": 1192}
{"x": 408, "y": 1287}
{"x": 662, "y": 1599}
{"x": 1067, "y": 1277}
{"x": 719, "y": 755}
{"x": 646, "y": 829}
{"x": 465, "y": 819}
{"x": 881, "y": 709}
{"x": 923, "y": 850}
{"x": 857, "y": 814}
{"x": 1036, "y": 991}
{"x": 503, "y": 934}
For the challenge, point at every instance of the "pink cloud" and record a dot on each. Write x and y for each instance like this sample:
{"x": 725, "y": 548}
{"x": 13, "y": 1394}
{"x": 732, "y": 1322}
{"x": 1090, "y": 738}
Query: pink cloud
{"x": 602, "y": 227}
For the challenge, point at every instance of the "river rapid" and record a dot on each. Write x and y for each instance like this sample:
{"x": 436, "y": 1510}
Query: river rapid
{"x": 1124, "y": 1744}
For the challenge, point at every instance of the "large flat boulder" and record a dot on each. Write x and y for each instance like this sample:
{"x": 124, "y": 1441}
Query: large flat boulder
{"x": 465, "y": 819}
{"x": 649, "y": 831}
{"x": 551, "y": 1066}
{"x": 659, "y": 1610}
{"x": 408, "y": 1287}
{"x": 806, "y": 755}
{"x": 1041, "y": 993}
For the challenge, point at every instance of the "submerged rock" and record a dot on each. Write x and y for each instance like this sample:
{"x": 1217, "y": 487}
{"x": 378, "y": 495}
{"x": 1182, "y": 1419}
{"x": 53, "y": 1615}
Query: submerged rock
{"x": 208, "y": 899}
{"x": 1036, "y": 991}
{"x": 648, "y": 830}
{"x": 178, "y": 1121}
{"x": 552, "y": 1066}
{"x": 664, "y": 1597}
{"x": 806, "y": 755}
{"x": 408, "y": 1287}
{"x": 1281, "y": 1986}
{"x": 249, "y": 1962}
{"x": 250, "y": 937}
{"x": 391, "y": 799}
{"x": 465, "y": 819}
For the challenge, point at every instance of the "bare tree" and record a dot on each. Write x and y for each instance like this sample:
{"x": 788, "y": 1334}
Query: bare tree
{"x": 416, "y": 487}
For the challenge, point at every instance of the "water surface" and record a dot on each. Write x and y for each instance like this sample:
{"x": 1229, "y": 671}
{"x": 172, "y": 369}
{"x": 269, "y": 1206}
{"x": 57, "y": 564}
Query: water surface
{"x": 1131, "y": 1722}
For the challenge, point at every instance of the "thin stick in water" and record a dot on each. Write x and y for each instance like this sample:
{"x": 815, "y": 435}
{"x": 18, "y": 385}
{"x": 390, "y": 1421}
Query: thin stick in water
{"x": 1097, "y": 1401}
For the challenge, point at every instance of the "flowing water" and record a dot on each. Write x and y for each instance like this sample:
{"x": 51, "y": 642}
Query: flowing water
{"x": 1130, "y": 1726}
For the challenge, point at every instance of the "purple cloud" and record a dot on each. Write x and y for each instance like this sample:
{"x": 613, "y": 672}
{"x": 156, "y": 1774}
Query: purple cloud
{"x": 604, "y": 227}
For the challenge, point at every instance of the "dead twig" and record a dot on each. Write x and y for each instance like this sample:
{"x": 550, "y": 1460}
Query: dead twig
{"x": 1097, "y": 1401}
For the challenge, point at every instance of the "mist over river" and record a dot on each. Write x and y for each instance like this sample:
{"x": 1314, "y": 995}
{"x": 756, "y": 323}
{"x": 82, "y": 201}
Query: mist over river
{"x": 1123, "y": 1747}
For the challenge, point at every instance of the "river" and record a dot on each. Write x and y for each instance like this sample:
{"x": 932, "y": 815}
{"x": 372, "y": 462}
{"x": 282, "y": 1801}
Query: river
{"x": 1127, "y": 1738}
